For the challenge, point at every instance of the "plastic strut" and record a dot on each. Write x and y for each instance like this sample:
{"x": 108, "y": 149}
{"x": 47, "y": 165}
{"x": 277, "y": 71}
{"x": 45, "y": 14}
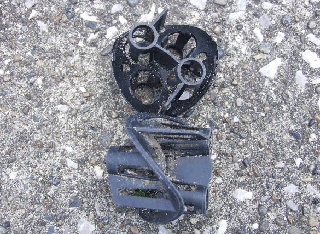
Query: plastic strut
{"x": 164, "y": 69}
{"x": 166, "y": 172}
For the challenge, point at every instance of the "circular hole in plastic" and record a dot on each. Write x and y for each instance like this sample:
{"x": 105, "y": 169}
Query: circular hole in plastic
{"x": 191, "y": 71}
{"x": 143, "y": 36}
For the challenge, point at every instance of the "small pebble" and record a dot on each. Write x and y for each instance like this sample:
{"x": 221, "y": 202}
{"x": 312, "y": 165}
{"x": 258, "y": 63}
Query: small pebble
{"x": 74, "y": 1}
{"x": 246, "y": 162}
{"x": 239, "y": 27}
{"x": 262, "y": 210}
{"x": 313, "y": 221}
{"x": 6, "y": 78}
{"x": 317, "y": 118}
{"x": 266, "y": 48}
{"x": 315, "y": 201}
{"x": 51, "y": 229}
{"x": 17, "y": 58}
{"x": 287, "y": 20}
{"x": 86, "y": 94}
{"x": 57, "y": 19}
{"x": 134, "y": 229}
{"x": 91, "y": 24}
{"x": 26, "y": 110}
{"x": 312, "y": 122}
{"x": 294, "y": 230}
{"x": 312, "y": 24}
{"x": 239, "y": 102}
{"x": 315, "y": 170}
{"x": 107, "y": 50}
{"x": 220, "y": 2}
{"x": 35, "y": 119}
{"x": 55, "y": 181}
{"x": 75, "y": 202}
{"x": 3, "y": 230}
{"x": 295, "y": 134}
{"x": 318, "y": 89}
{"x": 133, "y": 3}
{"x": 217, "y": 30}
{"x": 220, "y": 53}
{"x": 70, "y": 14}
{"x": 264, "y": 225}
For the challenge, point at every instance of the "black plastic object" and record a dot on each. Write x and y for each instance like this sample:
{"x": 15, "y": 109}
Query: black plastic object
{"x": 164, "y": 69}
{"x": 166, "y": 172}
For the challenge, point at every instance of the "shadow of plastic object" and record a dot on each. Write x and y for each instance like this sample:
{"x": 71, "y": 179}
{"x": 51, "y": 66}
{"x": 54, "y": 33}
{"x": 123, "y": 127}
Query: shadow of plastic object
{"x": 166, "y": 172}
{"x": 164, "y": 69}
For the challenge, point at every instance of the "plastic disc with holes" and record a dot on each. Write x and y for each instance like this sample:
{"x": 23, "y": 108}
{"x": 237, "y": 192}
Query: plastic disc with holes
{"x": 164, "y": 69}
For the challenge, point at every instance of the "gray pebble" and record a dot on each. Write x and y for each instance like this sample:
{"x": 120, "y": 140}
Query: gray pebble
{"x": 220, "y": 2}
{"x": 2, "y": 230}
{"x": 91, "y": 24}
{"x": 317, "y": 13}
{"x": 241, "y": 232}
{"x": 239, "y": 102}
{"x": 312, "y": 122}
{"x": 26, "y": 110}
{"x": 74, "y": 1}
{"x": 295, "y": 134}
{"x": 287, "y": 20}
{"x": 32, "y": 74}
{"x": 280, "y": 221}
{"x": 35, "y": 119}
{"x": 262, "y": 210}
{"x": 318, "y": 5}
{"x": 55, "y": 181}
{"x": 51, "y": 229}
{"x": 75, "y": 202}
{"x": 70, "y": 14}
{"x": 49, "y": 217}
{"x": 239, "y": 27}
{"x": 220, "y": 53}
{"x": 318, "y": 90}
{"x": 312, "y": 24}
{"x": 246, "y": 162}
{"x": 264, "y": 225}
{"x": 133, "y": 3}
{"x": 6, "y": 224}
{"x": 106, "y": 51}
{"x": 266, "y": 48}
{"x": 294, "y": 230}
{"x": 315, "y": 170}
{"x": 105, "y": 139}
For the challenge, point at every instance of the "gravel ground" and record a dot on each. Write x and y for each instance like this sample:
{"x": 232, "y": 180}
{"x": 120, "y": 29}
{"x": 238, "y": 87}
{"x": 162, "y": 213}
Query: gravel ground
{"x": 60, "y": 110}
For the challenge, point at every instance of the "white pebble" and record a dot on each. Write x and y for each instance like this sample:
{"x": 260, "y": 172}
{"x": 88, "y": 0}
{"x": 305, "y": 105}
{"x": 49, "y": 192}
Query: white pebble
{"x": 258, "y": 34}
{"x": 13, "y": 175}
{"x": 265, "y": 21}
{"x": 75, "y": 58}
{"x": 291, "y": 189}
{"x": 62, "y": 108}
{"x": 242, "y": 195}
{"x": 292, "y": 205}
{"x": 313, "y": 191}
{"x": 279, "y": 165}
{"x": 122, "y": 20}
{"x": 88, "y": 17}
{"x": 236, "y": 119}
{"x": 298, "y": 161}
{"x": 242, "y": 5}
{"x": 266, "y": 5}
{"x": 201, "y": 4}
{"x": 311, "y": 58}
{"x": 71, "y": 163}
{"x": 313, "y": 137}
{"x": 255, "y": 226}
{"x": 163, "y": 230}
{"x": 222, "y": 227}
{"x": 43, "y": 27}
{"x": 219, "y": 180}
{"x": 185, "y": 95}
{"x": 111, "y": 32}
{"x": 148, "y": 17}
{"x": 270, "y": 70}
{"x": 301, "y": 79}
{"x": 116, "y": 8}
{"x": 239, "y": 101}
{"x": 30, "y": 3}
{"x": 92, "y": 37}
{"x": 99, "y": 172}
{"x": 235, "y": 15}
{"x": 82, "y": 89}
{"x": 33, "y": 14}
{"x": 85, "y": 227}
{"x": 312, "y": 38}
{"x": 279, "y": 37}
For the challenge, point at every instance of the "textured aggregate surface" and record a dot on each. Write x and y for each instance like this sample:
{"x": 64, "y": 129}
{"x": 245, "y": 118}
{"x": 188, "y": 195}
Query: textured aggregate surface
{"x": 60, "y": 110}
